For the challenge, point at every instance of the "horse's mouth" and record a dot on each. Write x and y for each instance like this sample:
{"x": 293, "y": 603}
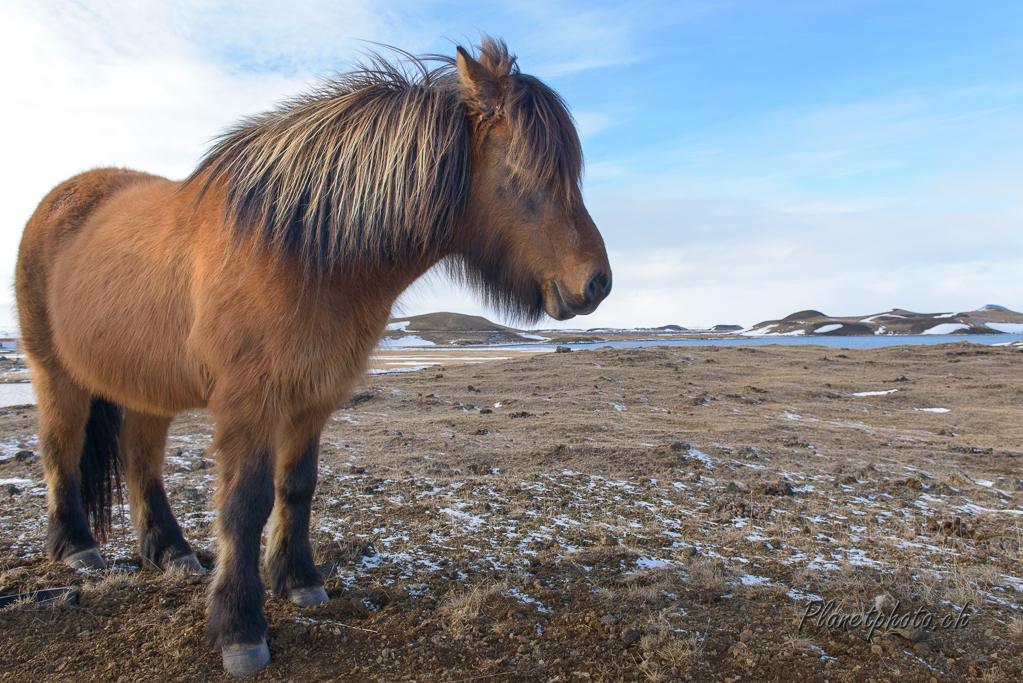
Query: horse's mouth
{"x": 555, "y": 303}
{"x": 561, "y": 307}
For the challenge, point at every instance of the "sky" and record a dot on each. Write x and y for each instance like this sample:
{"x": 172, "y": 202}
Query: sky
{"x": 744, "y": 159}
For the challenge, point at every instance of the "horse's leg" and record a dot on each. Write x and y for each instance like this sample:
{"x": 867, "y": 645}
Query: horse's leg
{"x": 63, "y": 409}
{"x": 245, "y": 496}
{"x": 289, "y": 557}
{"x": 143, "y": 442}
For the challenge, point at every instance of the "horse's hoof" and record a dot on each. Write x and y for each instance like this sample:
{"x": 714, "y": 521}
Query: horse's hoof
{"x": 309, "y": 597}
{"x": 186, "y": 564}
{"x": 246, "y": 658}
{"x": 85, "y": 559}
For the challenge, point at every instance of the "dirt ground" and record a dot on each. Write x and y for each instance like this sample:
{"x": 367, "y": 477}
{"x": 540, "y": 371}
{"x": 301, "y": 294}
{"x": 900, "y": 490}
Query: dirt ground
{"x": 656, "y": 514}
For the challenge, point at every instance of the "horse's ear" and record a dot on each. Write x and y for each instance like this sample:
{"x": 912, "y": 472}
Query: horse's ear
{"x": 480, "y": 87}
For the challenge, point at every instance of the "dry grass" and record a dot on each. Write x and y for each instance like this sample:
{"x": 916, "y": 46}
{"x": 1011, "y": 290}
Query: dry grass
{"x": 461, "y": 607}
{"x": 708, "y": 574}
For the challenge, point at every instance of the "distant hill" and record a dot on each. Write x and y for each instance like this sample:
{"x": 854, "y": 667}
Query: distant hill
{"x": 450, "y": 329}
{"x": 989, "y": 319}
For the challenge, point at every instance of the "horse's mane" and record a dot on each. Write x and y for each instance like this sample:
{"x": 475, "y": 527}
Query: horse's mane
{"x": 373, "y": 165}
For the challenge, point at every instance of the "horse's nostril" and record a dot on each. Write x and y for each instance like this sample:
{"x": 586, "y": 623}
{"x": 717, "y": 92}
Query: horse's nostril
{"x": 597, "y": 286}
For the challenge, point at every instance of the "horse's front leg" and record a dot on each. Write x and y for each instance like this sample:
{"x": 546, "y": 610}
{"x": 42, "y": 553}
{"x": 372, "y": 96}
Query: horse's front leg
{"x": 235, "y": 622}
{"x": 289, "y": 557}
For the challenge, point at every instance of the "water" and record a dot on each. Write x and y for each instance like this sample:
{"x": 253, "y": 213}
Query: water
{"x": 16, "y": 394}
{"x": 20, "y": 394}
{"x": 858, "y": 342}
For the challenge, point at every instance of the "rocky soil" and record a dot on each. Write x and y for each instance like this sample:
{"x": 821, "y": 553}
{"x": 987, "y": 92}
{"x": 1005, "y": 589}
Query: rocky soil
{"x": 650, "y": 514}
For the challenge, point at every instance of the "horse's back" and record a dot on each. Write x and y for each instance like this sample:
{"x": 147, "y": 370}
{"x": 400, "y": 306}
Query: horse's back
{"x": 69, "y": 205}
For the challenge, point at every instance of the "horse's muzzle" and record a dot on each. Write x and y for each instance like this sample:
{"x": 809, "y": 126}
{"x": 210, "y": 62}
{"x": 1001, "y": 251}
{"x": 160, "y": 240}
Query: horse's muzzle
{"x": 561, "y": 305}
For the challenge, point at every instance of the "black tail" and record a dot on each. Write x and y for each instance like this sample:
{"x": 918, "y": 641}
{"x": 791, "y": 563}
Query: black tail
{"x": 101, "y": 471}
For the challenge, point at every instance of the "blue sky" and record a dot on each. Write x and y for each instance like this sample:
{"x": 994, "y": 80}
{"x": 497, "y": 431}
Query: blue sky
{"x": 745, "y": 159}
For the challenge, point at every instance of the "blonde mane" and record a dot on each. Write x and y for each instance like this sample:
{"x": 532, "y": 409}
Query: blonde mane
{"x": 374, "y": 164}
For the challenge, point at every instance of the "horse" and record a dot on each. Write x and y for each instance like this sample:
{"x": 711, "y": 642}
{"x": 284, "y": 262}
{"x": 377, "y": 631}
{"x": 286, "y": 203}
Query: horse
{"x": 257, "y": 287}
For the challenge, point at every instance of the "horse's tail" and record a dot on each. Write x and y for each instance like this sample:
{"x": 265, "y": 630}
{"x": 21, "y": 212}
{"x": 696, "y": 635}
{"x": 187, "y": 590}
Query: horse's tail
{"x": 100, "y": 466}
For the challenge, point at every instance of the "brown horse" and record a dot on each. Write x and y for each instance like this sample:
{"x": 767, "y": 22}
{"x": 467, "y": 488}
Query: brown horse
{"x": 258, "y": 286}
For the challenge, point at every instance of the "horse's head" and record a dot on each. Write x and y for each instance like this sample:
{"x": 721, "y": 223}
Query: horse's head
{"x": 527, "y": 242}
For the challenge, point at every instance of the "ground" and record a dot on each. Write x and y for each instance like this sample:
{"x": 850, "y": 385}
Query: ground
{"x": 652, "y": 514}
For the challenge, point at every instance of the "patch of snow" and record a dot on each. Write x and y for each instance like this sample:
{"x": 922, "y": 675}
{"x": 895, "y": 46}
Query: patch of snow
{"x": 945, "y": 315}
{"x": 828, "y": 328}
{"x": 526, "y": 335}
{"x": 750, "y": 580}
{"x": 648, "y": 563}
{"x": 400, "y": 325}
{"x": 1008, "y": 328}
{"x": 875, "y": 393}
{"x": 411, "y": 340}
{"x": 946, "y": 328}
{"x": 758, "y": 332}
{"x": 933, "y": 410}
{"x": 800, "y": 595}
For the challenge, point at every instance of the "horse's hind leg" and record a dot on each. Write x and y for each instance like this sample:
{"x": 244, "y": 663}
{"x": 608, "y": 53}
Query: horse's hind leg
{"x": 63, "y": 409}
{"x": 143, "y": 441}
{"x": 289, "y": 557}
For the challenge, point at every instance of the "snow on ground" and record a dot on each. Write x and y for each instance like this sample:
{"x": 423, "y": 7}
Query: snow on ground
{"x": 946, "y": 328}
{"x": 827, "y": 328}
{"x": 404, "y": 342}
{"x": 1008, "y": 328}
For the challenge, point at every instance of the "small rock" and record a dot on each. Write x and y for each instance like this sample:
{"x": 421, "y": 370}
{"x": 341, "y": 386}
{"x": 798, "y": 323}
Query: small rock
{"x": 25, "y": 456}
{"x": 361, "y": 397}
{"x": 562, "y": 349}
{"x": 783, "y": 488}
{"x": 877, "y": 650}
{"x": 733, "y": 488}
{"x": 679, "y": 446}
{"x": 959, "y": 478}
{"x": 359, "y": 606}
{"x": 915, "y": 635}
{"x": 746, "y": 636}
{"x": 485, "y": 411}
{"x": 630, "y": 636}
